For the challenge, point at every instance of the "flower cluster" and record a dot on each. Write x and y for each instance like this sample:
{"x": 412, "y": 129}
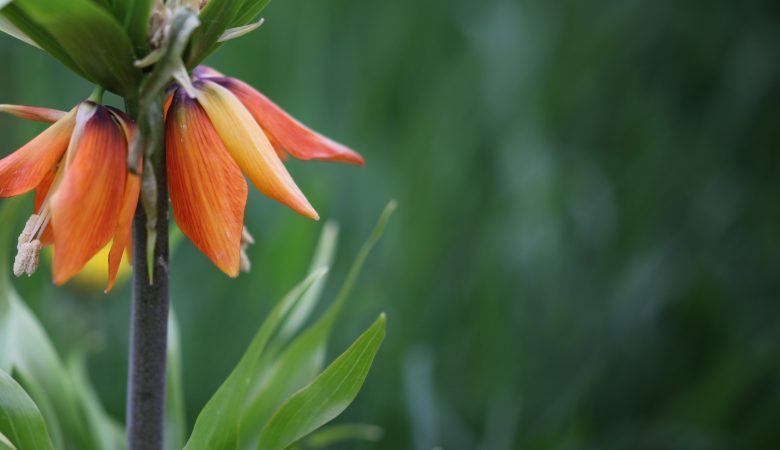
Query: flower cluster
{"x": 85, "y": 197}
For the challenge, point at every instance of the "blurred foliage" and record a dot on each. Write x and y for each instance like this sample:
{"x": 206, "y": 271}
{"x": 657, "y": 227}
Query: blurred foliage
{"x": 587, "y": 244}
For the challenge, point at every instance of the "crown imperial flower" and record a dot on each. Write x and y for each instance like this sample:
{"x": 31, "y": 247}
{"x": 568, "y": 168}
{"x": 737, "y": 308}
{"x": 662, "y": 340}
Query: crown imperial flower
{"x": 84, "y": 196}
{"x": 227, "y": 129}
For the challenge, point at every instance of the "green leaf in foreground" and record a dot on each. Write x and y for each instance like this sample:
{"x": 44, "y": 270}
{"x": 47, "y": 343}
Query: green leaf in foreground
{"x": 327, "y": 396}
{"x": 217, "y": 425}
{"x": 300, "y": 361}
{"x": 20, "y": 420}
{"x": 71, "y": 412}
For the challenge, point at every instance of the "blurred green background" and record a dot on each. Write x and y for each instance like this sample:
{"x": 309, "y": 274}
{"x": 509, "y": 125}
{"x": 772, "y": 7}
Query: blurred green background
{"x": 587, "y": 248}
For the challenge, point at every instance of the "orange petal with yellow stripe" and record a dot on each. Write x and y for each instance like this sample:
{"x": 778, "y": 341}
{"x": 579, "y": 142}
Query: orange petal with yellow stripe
{"x": 85, "y": 206}
{"x": 290, "y": 134}
{"x": 124, "y": 229}
{"x": 208, "y": 192}
{"x": 24, "y": 169}
{"x": 33, "y": 113}
{"x": 250, "y": 148}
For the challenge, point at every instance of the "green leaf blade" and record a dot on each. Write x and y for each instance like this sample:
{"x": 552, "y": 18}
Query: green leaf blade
{"x": 327, "y": 396}
{"x": 91, "y": 37}
{"x": 20, "y": 420}
{"x": 217, "y": 424}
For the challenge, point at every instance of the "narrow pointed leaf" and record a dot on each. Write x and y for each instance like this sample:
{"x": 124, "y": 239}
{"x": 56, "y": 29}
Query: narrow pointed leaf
{"x": 300, "y": 361}
{"x": 216, "y": 427}
{"x": 327, "y": 396}
{"x": 20, "y": 420}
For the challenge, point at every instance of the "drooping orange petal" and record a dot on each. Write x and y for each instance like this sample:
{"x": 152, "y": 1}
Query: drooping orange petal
{"x": 85, "y": 207}
{"x": 24, "y": 169}
{"x": 124, "y": 229}
{"x": 293, "y": 136}
{"x": 208, "y": 192}
{"x": 33, "y": 113}
{"x": 43, "y": 189}
{"x": 250, "y": 148}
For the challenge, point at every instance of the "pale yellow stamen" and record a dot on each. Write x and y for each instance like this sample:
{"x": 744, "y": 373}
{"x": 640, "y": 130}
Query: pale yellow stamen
{"x": 28, "y": 245}
{"x": 29, "y": 231}
{"x": 28, "y": 257}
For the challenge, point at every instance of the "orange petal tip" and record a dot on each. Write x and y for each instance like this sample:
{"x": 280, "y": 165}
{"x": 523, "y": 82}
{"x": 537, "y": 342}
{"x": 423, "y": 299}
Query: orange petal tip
{"x": 33, "y": 113}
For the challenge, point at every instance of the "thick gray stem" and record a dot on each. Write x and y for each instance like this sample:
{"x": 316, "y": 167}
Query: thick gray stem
{"x": 149, "y": 325}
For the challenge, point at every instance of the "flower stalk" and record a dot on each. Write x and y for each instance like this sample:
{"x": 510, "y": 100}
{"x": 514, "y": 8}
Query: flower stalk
{"x": 149, "y": 315}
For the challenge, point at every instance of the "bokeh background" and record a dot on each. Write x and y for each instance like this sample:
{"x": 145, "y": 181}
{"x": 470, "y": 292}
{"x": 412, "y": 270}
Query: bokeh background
{"x": 587, "y": 248}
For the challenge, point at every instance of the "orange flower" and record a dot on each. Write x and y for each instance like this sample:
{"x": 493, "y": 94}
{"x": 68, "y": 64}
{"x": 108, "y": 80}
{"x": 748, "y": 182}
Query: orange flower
{"x": 226, "y": 130}
{"x": 84, "y": 196}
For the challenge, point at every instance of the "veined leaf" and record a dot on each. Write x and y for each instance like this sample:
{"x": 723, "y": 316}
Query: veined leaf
{"x": 91, "y": 37}
{"x": 327, "y": 396}
{"x": 216, "y": 427}
{"x": 20, "y": 420}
